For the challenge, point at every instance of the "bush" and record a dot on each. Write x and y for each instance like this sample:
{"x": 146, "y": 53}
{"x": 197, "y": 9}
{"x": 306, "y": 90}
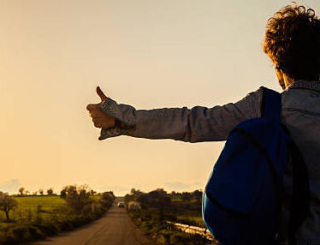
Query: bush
{"x": 134, "y": 206}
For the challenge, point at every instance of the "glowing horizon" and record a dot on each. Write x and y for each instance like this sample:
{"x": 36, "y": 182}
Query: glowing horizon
{"x": 149, "y": 54}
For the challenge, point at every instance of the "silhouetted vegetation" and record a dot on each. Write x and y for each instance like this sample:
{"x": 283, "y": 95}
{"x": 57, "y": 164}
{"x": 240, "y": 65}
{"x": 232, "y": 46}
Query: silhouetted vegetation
{"x": 185, "y": 207}
{"x": 21, "y": 191}
{"x": 37, "y": 216}
{"x": 50, "y": 192}
{"x": 7, "y": 203}
{"x": 77, "y": 198}
{"x": 152, "y": 211}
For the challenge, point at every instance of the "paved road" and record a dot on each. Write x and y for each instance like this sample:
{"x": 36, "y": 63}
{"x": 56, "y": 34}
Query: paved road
{"x": 114, "y": 228}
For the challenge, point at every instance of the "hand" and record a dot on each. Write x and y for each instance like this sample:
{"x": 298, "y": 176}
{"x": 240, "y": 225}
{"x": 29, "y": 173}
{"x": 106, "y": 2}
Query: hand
{"x": 99, "y": 118}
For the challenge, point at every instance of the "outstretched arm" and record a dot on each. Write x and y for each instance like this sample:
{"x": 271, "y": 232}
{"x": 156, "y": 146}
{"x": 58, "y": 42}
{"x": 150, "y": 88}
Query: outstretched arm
{"x": 192, "y": 125}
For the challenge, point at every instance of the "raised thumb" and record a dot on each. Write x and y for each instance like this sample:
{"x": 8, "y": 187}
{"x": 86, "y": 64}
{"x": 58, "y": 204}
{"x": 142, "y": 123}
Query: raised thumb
{"x": 102, "y": 96}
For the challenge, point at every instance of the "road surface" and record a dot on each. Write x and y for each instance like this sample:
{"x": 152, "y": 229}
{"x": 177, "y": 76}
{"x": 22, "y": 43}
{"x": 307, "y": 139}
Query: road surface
{"x": 114, "y": 228}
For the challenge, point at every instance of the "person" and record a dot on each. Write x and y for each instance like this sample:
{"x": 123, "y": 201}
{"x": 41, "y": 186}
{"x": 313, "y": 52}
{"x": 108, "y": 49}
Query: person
{"x": 292, "y": 41}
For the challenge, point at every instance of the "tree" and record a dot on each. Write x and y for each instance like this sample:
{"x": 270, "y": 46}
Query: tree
{"x": 92, "y": 192}
{"x": 106, "y": 199}
{"x": 7, "y": 203}
{"x": 41, "y": 192}
{"x": 197, "y": 194}
{"x": 186, "y": 196}
{"x": 135, "y": 194}
{"x": 158, "y": 199}
{"x": 21, "y": 191}
{"x": 76, "y": 197}
{"x": 50, "y": 192}
{"x": 63, "y": 193}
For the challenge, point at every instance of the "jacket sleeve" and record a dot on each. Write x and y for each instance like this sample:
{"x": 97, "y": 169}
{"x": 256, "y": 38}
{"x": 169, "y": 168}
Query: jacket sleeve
{"x": 197, "y": 124}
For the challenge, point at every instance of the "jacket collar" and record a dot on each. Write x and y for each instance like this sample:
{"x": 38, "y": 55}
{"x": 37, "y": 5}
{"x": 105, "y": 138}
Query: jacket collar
{"x": 305, "y": 84}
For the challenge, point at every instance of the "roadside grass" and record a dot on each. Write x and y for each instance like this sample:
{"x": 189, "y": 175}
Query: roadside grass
{"x": 157, "y": 207}
{"x": 191, "y": 220}
{"x": 188, "y": 211}
{"x": 163, "y": 233}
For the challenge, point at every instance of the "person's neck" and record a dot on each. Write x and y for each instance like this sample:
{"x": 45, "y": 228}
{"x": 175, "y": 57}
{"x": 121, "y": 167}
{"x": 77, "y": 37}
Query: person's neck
{"x": 288, "y": 80}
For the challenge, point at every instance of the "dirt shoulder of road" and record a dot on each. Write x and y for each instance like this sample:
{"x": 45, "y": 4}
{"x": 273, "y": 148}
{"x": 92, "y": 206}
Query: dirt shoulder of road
{"x": 114, "y": 228}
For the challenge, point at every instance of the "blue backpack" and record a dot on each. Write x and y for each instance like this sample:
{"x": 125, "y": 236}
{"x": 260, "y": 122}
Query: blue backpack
{"x": 243, "y": 197}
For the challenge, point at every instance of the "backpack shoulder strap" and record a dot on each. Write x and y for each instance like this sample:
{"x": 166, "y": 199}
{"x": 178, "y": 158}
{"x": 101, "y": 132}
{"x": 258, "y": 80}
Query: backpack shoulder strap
{"x": 271, "y": 104}
{"x": 271, "y": 108}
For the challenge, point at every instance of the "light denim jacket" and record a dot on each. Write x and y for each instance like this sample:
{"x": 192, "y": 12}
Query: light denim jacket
{"x": 300, "y": 114}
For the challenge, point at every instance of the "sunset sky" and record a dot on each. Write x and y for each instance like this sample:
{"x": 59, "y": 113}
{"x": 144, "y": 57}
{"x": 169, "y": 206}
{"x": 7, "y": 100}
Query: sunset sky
{"x": 147, "y": 53}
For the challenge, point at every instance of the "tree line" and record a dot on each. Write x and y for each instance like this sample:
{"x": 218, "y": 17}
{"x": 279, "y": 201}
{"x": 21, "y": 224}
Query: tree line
{"x": 169, "y": 206}
{"x": 77, "y": 199}
{"x": 23, "y": 192}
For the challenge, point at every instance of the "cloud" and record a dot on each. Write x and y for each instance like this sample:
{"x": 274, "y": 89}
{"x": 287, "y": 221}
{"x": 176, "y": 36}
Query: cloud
{"x": 177, "y": 186}
{"x": 10, "y": 186}
{"x": 181, "y": 186}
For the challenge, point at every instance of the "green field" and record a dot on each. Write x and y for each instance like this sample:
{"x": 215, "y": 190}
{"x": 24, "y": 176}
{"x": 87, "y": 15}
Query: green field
{"x": 39, "y": 216}
{"x": 48, "y": 204}
{"x": 31, "y": 207}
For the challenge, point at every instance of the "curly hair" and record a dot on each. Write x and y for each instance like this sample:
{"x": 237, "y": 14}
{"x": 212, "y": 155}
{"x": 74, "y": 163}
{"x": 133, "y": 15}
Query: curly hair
{"x": 292, "y": 41}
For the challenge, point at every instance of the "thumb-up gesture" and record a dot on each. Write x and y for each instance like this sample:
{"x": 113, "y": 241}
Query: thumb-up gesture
{"x": 99, "y": 118}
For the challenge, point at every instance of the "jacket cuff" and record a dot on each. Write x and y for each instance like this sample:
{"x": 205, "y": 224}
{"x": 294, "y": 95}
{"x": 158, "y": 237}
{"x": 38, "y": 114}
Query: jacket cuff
{"x": 123, "y": 115}
{"x": 111, "y": 132}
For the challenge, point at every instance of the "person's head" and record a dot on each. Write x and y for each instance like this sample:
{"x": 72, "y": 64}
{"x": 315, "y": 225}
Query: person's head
{"x": 292, "y": 41}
